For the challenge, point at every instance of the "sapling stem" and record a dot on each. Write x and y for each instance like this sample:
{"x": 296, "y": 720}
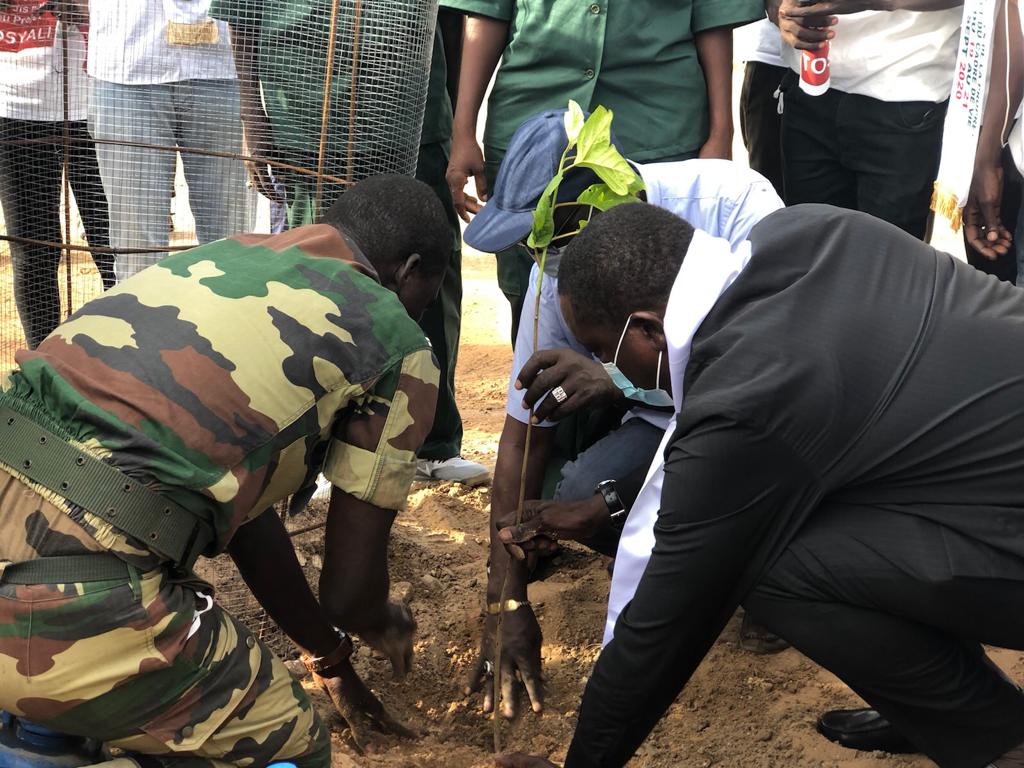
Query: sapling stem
{"x": 540, "y": 256}
{"x": 609, "y": 168}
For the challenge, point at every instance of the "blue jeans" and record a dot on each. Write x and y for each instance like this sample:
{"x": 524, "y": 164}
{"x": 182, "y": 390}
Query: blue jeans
{"x": 139, "y": 181}
{"x": 621, "y": 452}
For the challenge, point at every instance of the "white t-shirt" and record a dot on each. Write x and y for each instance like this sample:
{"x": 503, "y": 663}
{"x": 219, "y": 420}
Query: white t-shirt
{"x": 760, "y": 41}
{"x": 132, "y": 42}
{"x": 720, "y": 197}
{"x": 893, "y": 55}
{"x": 32, "y": 65}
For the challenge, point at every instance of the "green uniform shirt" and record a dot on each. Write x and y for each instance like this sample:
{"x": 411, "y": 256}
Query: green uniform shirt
{"x": 227, "y": 376}
{"x": 635, "y": 57}
{"x": 292, "y": 65}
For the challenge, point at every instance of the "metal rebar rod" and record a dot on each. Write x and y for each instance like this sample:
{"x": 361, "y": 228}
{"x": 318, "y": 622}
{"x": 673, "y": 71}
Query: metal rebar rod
{"x": 325, "y": 111}
{"x": 186, "y": 151}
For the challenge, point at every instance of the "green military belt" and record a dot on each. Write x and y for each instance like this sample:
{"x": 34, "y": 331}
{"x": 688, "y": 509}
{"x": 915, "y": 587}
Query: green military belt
{"x": 66, "y": 569}
{"x": 161, "y": 525}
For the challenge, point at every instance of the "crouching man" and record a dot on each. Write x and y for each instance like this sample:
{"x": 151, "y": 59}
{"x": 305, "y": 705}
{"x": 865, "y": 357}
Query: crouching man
{"x": 845, "y": 461}
{"x": 161, "y": 422}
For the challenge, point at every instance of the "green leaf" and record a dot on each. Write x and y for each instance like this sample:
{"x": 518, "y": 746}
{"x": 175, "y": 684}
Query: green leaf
{"x": 574, "y": 121}
{"x": 594, "y": 150}
{"x": 612, "y": 167}
{"x": 637, "y": 185}
{"x": 544, "y": 216}
{"x": 602, "y": 197}
{"x": 595, "y": 135}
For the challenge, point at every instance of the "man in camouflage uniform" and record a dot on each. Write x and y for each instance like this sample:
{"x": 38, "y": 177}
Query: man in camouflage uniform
{"x": 220, "y": 381}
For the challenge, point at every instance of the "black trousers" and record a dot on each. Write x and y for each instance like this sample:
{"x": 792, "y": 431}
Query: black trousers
{"x": 30, "y": 191}
{"x": 442, "y": 320}
{"x": 860, "y": 153}
{"x": 760, "y": 121}
{"x": 898, "y": 606}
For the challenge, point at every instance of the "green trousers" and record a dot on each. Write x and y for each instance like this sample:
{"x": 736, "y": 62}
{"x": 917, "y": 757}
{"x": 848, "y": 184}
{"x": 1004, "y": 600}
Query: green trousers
{"x": 442, "y": 321}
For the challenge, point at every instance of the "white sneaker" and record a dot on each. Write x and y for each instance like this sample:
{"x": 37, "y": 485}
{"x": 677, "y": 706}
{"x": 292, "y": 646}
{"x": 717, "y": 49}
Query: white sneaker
{"x": 455, "y": 470}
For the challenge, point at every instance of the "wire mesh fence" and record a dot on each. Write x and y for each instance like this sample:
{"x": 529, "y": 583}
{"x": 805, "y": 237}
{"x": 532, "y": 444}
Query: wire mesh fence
{"x": 234, "y": 596}
{"x": 130, "y": 128}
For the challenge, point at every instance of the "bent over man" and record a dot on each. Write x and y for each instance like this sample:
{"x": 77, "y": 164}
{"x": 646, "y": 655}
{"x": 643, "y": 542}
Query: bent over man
{"x": 845, "y": 461}
{"x": 161, "y": 422}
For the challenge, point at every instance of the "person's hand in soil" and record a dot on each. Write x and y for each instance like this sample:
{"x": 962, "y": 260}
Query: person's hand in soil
{"x": 519, "y": 760}
{"x": 544, "y": 522}
{"x": 366, "y": 717}
{"x": 394, "y": 639}
{"x": 520, "y": 652}
{"x": 583, "y": 380}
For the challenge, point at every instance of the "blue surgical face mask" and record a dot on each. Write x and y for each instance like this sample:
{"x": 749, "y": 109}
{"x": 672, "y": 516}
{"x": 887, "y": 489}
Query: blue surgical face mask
{"x": 656, "y": 398}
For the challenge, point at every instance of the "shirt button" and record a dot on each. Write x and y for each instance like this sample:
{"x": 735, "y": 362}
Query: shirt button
{"x": 595, "y": 8}
{"x": 186, "y": 732}
{"x": 250, "y": 642}
{"x": 589, "y": 74}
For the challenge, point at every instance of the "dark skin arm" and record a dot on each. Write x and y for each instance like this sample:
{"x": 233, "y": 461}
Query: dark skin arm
{"x": 521, "y": 636}
{"x": 259, "y": 139}
{"x": 285, "y": 594}
{"x": 714, "y": 51}
{"x": 982, "y": 223}
{"x": 808, "y": 26}
{"x": 281, "y": 590}
{"x": 483, "y": 42}
{"x": 354, "y": 581}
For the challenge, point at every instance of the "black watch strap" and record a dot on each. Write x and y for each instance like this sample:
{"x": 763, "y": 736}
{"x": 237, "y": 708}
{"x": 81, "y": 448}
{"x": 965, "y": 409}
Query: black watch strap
{"x": 611, "y": 499}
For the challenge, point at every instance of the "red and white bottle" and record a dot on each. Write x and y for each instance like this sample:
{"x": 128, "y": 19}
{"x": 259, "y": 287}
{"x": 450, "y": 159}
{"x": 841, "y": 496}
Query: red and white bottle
{"x": 814, "y": 71}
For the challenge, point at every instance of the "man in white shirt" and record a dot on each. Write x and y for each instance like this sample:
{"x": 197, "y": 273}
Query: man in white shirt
{"x": 871, "y": 142}
{"x": 163, "y": 77}
{"x": 719, "y": 196}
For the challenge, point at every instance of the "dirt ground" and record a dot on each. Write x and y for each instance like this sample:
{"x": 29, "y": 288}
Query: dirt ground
{"x": 739, "y": 710}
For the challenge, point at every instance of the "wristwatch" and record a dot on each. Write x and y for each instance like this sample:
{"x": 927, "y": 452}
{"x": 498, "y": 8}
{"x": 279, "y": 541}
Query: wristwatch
{"x": 611, "y": 498}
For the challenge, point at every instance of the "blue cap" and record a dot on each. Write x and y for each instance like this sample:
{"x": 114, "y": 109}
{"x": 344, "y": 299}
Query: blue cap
{"x": 530, "y": 162}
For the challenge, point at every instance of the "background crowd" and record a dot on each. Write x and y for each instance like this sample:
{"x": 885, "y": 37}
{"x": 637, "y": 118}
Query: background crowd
{"x": 237, "y": 78}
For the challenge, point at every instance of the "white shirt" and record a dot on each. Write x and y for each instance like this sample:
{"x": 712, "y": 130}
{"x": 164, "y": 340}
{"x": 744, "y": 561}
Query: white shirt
{"x": 710, "y": 267}
{"x": 760, "y": 41}
{"x": 893, "y": 55}
{"x": 130, "y": 43}
{"x": 720, "y": 197}
{"x": 32, "y": 65}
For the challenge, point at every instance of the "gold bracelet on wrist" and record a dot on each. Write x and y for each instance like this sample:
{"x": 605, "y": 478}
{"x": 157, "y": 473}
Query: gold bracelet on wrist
{"x": 493, "y": 609}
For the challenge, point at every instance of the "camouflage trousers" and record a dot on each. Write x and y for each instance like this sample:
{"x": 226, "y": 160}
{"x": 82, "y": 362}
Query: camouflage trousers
{"x": 133, "y": 664}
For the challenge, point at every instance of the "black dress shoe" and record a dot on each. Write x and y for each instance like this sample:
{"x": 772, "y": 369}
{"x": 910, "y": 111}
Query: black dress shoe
{"x": 863, "y": 729}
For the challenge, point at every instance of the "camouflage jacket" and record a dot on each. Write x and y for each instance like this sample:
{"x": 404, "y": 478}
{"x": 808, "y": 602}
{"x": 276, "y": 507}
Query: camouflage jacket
{"x": 229, "y": 375}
